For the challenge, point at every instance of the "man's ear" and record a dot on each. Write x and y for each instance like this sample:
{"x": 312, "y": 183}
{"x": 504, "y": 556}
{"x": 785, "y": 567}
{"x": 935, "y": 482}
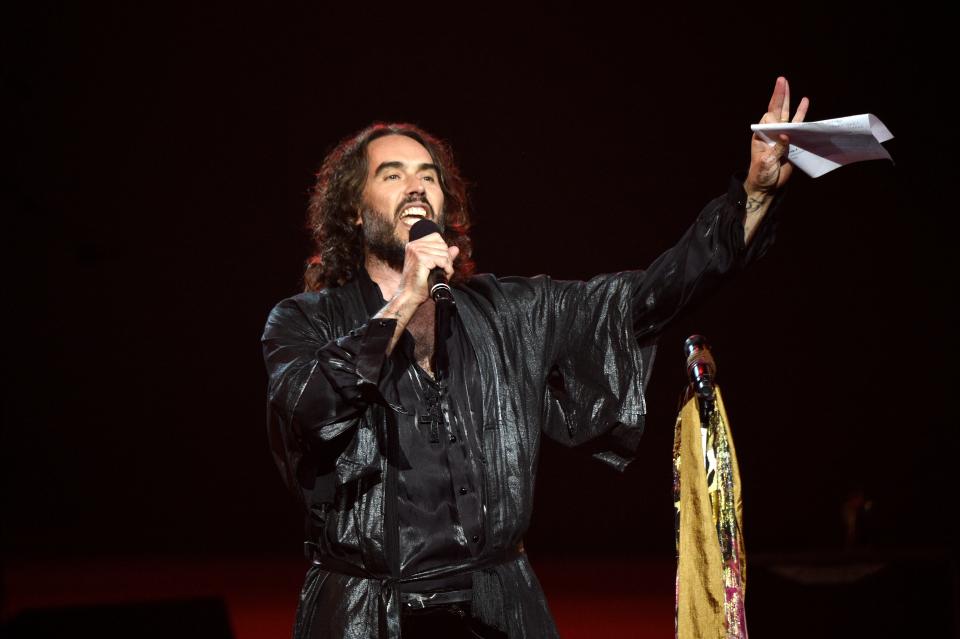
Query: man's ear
{"x": 359, "y": 220}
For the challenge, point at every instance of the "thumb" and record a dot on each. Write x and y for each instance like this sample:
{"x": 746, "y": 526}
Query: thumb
{"x": 454, "y": 252}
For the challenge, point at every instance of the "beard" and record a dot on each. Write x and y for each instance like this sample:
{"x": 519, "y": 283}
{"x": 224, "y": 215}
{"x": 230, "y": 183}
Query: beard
{"x": 380, "y": 239}
{"x": 380, "y": 234}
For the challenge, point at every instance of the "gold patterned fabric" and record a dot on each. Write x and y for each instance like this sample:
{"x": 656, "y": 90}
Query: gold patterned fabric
{"x": 711, "y": 562}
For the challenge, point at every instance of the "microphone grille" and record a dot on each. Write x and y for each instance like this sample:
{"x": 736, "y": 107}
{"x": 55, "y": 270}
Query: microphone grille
{"x": 423, "y": 228}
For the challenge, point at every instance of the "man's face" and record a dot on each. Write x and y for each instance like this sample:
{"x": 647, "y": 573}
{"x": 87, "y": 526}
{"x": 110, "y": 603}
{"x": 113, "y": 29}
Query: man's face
{"x": 403, "y": 186}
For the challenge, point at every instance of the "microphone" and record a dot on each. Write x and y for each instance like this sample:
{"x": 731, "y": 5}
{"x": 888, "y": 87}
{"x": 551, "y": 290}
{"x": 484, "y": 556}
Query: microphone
{"x": 437, "y": 280}
{"x": 701, "y": 369}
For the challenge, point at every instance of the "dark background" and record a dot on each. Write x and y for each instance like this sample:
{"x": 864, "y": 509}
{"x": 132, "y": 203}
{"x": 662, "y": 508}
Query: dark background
{"x": 159, "y": 163}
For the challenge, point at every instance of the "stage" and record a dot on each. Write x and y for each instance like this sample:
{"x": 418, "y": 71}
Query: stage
{"x": 589, "y": 597}
{"x": 876, "y": 594}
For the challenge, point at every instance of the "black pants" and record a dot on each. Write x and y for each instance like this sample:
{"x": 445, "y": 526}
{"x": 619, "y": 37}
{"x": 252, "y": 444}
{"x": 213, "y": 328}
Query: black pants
{"x": 452, "y": 621}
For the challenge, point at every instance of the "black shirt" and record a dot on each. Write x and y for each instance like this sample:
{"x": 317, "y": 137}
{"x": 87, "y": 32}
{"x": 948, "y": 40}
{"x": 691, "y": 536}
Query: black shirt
{"x": 439, "y": 489}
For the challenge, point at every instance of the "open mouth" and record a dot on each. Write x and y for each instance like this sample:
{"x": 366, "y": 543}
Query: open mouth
{"x": 413, "y": 214}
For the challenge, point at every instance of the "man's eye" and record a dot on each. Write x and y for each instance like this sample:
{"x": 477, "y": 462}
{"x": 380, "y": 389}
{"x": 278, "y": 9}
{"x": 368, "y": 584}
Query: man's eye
{"x": 392, "y": 176}
{"x": 429, "y": 178}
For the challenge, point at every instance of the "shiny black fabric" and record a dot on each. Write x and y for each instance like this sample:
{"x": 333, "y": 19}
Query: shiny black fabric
{"x": 439, "y": 489}
{"x": 558, "y": 358}
{"x": 449, "y": 622}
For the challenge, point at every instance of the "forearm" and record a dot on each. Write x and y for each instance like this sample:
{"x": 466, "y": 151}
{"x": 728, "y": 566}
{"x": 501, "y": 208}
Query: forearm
{"x": 731, "y": 232}
{"x": 401, "y": 308}
{"x": 756, "y": 206}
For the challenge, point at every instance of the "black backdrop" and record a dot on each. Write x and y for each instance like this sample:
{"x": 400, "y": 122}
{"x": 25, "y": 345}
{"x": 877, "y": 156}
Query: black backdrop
{"x": 159, "y": 159}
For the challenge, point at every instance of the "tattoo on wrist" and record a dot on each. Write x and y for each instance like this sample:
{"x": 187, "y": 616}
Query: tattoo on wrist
{"x": 755, "y": 203}
{"x": 390, "y": 313}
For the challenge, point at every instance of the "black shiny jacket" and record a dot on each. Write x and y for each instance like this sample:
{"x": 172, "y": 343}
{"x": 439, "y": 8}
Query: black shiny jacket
{"x": 562, "y": 358}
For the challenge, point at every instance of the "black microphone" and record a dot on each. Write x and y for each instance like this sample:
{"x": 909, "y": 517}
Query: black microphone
{"x": 437, "y": 280}
{"x": 701, "y": 369}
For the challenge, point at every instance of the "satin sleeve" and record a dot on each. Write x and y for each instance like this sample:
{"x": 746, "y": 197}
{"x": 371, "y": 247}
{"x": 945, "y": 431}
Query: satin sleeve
{"x": 600, "y": 334}
{"x": 710, "y": 250}
{"x": 319, "y": 384}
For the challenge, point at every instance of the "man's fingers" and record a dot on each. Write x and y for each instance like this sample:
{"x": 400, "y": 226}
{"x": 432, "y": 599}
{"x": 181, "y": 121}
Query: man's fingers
{"x": 434, "y": 258}
{"x": 433, "y": 238}
{"x": 780, "y": 148}
{"x": 431, "y": 251}
{"x": 431, "y": 242}
{"x": 769, "y": 166}
{"x": 776, "y": 100}
{"x": 801, "y": 110}
{"x": 785, "y": 104}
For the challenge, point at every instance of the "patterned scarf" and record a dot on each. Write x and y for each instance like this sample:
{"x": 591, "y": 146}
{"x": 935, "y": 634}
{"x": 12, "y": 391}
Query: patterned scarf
{"x": 711, "y": 562}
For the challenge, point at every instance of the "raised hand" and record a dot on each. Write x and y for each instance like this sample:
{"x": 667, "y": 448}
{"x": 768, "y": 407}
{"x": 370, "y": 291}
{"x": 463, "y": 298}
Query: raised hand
{"x": 420, "y": 258}
{"x": 769, "y": 168}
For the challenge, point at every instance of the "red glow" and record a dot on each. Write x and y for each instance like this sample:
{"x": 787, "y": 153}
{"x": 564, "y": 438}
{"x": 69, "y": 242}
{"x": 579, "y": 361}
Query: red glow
{"x": 589, "y": 598}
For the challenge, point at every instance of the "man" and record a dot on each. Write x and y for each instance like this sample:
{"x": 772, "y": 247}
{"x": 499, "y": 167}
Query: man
{"x": 418, "y": 488}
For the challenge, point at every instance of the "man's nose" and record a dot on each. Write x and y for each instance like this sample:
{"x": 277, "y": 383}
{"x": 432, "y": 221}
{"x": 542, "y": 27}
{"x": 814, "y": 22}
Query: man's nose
{"x": 415, "y": 185}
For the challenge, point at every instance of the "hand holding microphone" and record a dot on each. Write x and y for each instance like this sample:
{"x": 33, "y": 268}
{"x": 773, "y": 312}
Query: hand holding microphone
{"x": 426, "y": 257}
{"x": 437, "y": 279}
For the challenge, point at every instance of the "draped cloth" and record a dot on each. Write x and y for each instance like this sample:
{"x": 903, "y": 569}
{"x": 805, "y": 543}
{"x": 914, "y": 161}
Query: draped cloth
{"x": 711, "y": 562}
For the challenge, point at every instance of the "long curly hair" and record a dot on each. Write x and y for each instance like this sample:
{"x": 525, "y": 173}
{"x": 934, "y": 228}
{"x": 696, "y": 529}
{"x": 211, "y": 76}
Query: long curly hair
{"x": 337, "y": 196}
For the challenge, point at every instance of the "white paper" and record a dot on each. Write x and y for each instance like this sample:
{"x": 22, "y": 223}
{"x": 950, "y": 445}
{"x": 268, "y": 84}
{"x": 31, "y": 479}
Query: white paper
{"x": 820, "y": 147}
